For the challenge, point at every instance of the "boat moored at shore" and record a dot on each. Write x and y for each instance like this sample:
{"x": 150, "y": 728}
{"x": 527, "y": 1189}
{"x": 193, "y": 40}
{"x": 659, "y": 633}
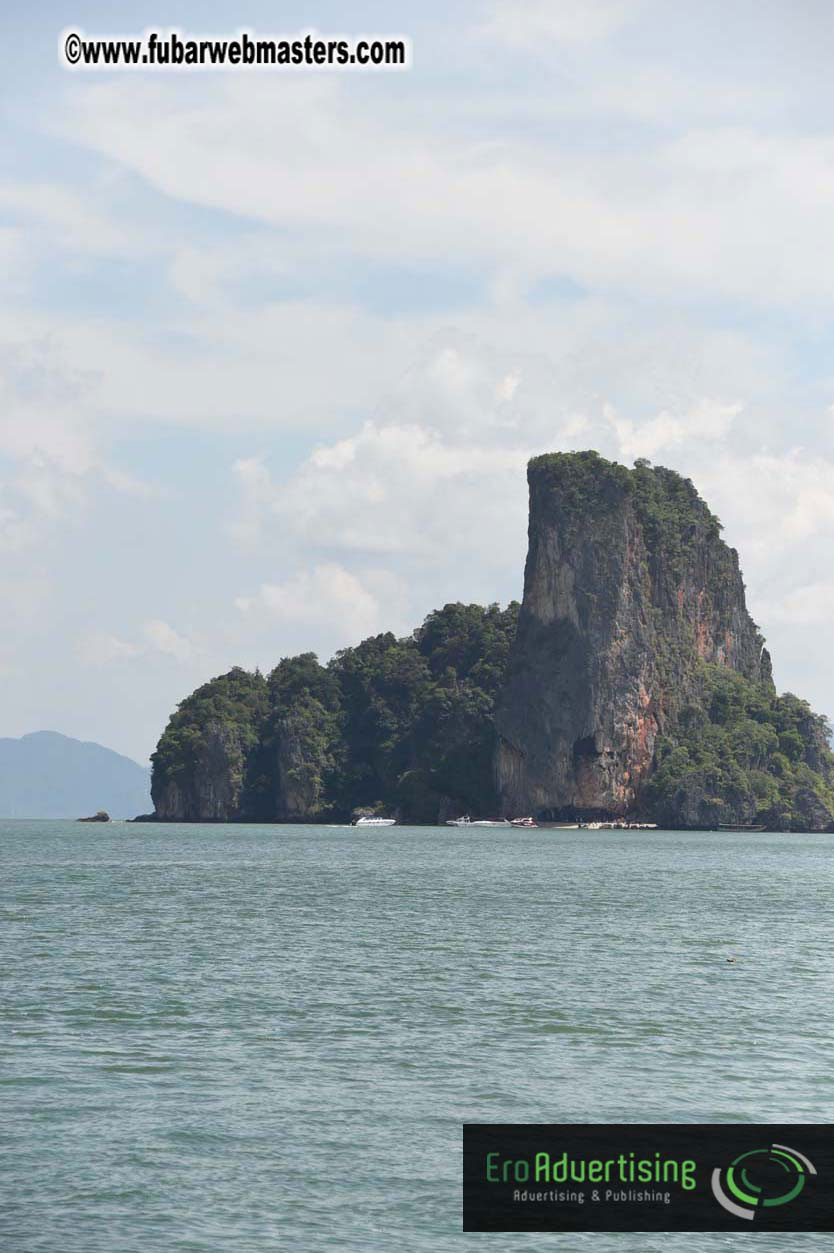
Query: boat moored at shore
{"x": 530, "y": 824}
{"x": 466, "y": 821}
{"x": 618, "y": 826}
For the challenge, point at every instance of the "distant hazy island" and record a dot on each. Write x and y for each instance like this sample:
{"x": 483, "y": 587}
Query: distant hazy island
{"x": 47, "y": 775}
{"x": 630, "y": 681}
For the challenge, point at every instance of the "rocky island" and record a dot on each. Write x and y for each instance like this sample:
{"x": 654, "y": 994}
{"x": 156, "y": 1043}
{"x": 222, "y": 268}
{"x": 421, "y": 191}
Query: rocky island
{"x": 630, "y": 681}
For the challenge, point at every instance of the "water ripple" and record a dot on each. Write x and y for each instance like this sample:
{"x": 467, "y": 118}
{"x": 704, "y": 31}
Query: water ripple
{"x": 254, "y": 1038}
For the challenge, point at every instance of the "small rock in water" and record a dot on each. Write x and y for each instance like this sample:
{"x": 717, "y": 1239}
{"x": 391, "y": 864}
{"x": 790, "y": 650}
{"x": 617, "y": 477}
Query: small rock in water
{"x": 101, "y": 815}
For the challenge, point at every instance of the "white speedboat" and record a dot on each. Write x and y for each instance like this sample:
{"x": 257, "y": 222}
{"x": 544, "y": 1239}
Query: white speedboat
{"x": 367, "y": 821}
{"x": 466, "y": 821}
{"x": 527, "y": 823}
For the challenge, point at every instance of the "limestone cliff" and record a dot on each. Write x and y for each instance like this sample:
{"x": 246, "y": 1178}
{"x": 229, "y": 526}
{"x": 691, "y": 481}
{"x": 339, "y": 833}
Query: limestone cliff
{"x": 628, "y": 589}
{"x": 201, "y": 762}
{"x": 632, "y": 680}
{"x": 210, "y": 790}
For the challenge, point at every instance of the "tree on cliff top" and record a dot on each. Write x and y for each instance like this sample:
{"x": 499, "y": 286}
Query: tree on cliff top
{"x": 236, "y": 700}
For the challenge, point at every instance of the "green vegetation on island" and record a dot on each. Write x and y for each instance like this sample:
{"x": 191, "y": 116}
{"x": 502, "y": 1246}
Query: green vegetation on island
{"x": 402, "y": 724}
{"x": 631, "y": 682}
{"x": 744, "y": 755}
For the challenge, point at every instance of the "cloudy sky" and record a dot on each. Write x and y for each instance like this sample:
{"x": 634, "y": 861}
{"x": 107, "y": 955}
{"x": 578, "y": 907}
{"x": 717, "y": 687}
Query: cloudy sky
{"x": 274, "y": 349}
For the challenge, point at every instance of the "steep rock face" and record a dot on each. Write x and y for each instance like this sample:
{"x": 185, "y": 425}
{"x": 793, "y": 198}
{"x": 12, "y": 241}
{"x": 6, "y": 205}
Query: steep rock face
{"x": 299, "y": 740}
{"x": 201, "y": 762}
{"x": 631, "y": 680}
{"x": 210, "y": 791}
{"x": 298, "y": 794}
{"x": 302, "y": 762}
{"x": 627, "y": 588}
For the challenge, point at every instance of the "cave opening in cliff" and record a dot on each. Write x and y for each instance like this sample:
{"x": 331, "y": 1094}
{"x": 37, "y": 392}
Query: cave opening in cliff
{"x": 586, "y": 746}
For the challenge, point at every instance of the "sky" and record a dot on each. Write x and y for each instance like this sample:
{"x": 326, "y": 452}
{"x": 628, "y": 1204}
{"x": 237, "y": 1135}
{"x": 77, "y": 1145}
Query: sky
{"x": 276, "y": 347}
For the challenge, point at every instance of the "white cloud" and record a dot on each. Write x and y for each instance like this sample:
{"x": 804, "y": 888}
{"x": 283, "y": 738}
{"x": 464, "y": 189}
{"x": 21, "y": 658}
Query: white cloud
{"x": 40, "y": 399}
{"x": 328, "y": 596}
{"x": 25, "y": 597}
{"x": 99, "y": 648}
{"x": 437, "y": 489}
{"x": 102, "y": 649}
{"x": 529, "y": 23}
{"x": 810, "y": 605}
{"x": 16, "y": 533}
{"x": 507, "y": 387}
{"x": 780, "y": 502}
{"x": 231, "y": 366}
{"x": 128, "y": 484}
{"x": 75, "y": 218}
{"x": 256, "y": 492}
{"x": 162, "y": 638}
{"x": 48, "y": 436}
{"x": 638, "y": 219}
{"x": 398, "y": 489}
{"x": 724, "y": 210}
{"x": 706, "y": 420}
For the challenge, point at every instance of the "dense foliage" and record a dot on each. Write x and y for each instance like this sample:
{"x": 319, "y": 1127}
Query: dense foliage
{"x": 236, "y": 701}
{"x": 406, "y": 726}
{"x": 673, "y": 516}
{"x": 744, "y": 754}
{"x": 392, "y": 724}
{"x": 675, "y": 519}
{"x": 299, "y": 746}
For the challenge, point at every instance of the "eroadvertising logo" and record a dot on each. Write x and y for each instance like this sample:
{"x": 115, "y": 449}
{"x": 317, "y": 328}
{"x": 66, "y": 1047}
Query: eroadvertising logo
{"x": 761, "y": 1179}
{"x": 648, "y": 1177}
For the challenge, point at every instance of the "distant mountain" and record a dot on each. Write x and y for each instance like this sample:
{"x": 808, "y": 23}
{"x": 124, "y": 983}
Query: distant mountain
{"x": 47, "y": 775}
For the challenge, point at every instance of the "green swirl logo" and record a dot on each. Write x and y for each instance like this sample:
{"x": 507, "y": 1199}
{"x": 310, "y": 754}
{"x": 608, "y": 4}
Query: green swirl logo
{"x": 761, "y": 1179}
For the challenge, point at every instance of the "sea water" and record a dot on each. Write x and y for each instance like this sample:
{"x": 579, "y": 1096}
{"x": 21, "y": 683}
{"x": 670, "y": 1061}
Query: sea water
{"x": 250, "y": 1038}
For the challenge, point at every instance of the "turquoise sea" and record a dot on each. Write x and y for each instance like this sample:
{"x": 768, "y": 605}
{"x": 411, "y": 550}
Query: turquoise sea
{"x": 258, "y": 1038}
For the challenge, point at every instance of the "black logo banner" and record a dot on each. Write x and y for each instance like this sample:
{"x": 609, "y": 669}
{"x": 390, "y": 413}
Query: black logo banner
{"x": 648, "y": 1177}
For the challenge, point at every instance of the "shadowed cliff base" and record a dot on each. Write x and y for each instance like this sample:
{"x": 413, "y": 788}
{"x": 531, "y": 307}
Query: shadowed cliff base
{"x": 631, "y": 682}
